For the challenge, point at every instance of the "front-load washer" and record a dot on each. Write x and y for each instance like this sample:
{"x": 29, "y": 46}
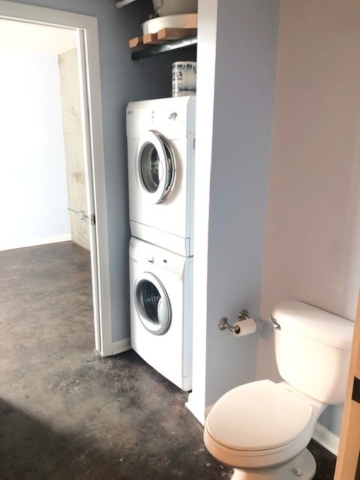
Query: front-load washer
{"x": 161, "y": 154}
{"x": 161, "y": 310}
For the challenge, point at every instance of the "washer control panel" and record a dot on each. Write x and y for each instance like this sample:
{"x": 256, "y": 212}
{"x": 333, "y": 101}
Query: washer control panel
{"x": 154, "y": 258}
{"x": 163, "y": 262}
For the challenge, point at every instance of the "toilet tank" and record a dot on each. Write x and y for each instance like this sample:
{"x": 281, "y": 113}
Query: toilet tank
{"x": 312, "y": 349}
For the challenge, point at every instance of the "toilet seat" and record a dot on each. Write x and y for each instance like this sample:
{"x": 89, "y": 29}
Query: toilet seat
{"x": 259, "y": 424}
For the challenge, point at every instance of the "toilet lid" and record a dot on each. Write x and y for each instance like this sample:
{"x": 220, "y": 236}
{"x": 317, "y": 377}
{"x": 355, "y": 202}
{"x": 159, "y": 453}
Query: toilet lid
{"x": 258, "y": 416}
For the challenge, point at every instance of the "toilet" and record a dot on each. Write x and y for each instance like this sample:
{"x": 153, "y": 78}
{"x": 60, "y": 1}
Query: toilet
{"x": 261, "y": 429}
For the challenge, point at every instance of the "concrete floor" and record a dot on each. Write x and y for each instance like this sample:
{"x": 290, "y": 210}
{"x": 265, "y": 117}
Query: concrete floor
{"x": 67, "y": 414}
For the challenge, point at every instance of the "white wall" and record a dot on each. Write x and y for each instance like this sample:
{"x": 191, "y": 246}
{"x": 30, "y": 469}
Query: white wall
{"x": 33, "y": 195}
{"x": 234, "y": 141}
{"x": 313, "y": 225}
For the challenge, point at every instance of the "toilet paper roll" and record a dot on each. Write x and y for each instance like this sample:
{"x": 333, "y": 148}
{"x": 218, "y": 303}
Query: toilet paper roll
{"x": 247, "y": 327}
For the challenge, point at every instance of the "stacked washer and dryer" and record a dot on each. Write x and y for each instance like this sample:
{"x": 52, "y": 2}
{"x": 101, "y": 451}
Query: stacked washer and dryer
{"x": 161, "y": 154}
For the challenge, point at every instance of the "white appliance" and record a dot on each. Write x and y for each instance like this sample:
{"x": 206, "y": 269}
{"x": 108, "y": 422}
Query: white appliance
{"x": 161, "y": 310}
{"x": 161, "y": 153}
{"x": 262, "y": 429}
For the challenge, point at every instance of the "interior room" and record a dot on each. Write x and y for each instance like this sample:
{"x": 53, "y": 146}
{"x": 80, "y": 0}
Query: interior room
{"x": 131, "y": 321}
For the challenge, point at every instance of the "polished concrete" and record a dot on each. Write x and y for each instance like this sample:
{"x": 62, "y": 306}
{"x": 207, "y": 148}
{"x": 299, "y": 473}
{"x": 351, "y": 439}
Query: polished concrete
{"x": 65, "y": 413}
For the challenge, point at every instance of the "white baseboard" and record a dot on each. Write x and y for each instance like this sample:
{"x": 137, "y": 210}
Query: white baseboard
{"x": 35, "y": 242}
{"x": 120, "y": 346}
{"x": 327, "y": 439}
{"x": 195, "y": 409}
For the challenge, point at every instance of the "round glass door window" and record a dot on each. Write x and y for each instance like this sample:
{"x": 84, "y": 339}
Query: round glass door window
{"x": 156, "y": 167}
{"x": 152, "y": 304}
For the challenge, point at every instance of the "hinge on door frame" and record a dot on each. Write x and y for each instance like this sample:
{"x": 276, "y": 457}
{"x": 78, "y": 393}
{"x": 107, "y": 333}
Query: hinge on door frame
{"x": 356, "y": 390}
{"x": 92, "y": 219}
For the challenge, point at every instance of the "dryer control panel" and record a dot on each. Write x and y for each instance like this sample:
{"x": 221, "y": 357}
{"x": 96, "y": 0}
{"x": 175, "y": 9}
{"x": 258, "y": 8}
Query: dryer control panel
{"x": 173, "y": 117}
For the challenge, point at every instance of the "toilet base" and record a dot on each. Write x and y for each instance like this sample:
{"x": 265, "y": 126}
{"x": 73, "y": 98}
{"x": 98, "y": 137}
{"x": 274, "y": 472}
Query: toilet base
{"x": 303, "y": 464}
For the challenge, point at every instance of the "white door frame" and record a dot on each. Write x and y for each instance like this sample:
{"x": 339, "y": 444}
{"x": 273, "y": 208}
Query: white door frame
{"x": 94, "y": 145}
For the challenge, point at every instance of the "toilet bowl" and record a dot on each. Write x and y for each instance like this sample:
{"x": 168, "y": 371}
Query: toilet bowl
{"x": 264, "y": 425}
{"x": 261, "y": 429}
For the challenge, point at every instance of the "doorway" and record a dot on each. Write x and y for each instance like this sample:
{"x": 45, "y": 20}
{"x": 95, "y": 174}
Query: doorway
{"x": 44, "y": 175}
{"x": 84, "y": 30}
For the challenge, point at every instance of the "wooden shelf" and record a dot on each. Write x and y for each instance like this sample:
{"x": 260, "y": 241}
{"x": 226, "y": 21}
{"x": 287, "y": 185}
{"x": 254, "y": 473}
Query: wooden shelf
{"x": 166, "y": 40}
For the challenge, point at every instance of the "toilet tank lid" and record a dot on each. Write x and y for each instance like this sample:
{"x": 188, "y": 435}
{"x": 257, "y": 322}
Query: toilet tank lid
{"x": 307, "y": 320}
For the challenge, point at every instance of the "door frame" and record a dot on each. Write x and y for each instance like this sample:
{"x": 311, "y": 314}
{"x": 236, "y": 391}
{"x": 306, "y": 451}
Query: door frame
{"x": 88, "y": 46}
{"x": 348, "y": 460}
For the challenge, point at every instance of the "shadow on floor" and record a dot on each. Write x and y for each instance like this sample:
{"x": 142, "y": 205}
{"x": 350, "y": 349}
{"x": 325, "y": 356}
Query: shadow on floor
{"x": 30, "y": 449}
{"x": 118, "y": 420}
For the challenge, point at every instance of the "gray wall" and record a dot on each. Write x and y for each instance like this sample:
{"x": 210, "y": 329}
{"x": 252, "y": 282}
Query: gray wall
{"x": 246, "y": 49}
{"x": 122, "y": 81}
{"x": 241, "y": 131}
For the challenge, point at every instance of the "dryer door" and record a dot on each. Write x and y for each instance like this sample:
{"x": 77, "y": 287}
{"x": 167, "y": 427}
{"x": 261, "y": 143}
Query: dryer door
{"x": 155, "y": 167}
{"x": 152, "y": 304}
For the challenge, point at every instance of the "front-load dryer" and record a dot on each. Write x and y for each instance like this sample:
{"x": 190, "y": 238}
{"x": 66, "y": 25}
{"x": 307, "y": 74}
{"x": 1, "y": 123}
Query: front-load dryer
{"x": 161, "y": 154}
{"x": 161, "y": 310}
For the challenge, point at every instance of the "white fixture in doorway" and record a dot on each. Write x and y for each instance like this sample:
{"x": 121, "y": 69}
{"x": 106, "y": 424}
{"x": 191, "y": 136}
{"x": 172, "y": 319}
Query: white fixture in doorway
{"x": 88, "y": 47}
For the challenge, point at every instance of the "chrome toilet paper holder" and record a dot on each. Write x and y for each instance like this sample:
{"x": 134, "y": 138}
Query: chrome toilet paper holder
{"x": 224, "y": 323}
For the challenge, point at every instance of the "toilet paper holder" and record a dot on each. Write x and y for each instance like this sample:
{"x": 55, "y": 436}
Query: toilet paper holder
{"x": 224, "y": 324}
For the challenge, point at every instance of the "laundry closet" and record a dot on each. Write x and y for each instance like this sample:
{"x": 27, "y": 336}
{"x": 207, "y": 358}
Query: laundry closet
{"x": 161, "y": 143}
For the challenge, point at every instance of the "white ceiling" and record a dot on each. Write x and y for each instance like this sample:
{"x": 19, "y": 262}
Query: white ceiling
{"x": 35, "y": 37}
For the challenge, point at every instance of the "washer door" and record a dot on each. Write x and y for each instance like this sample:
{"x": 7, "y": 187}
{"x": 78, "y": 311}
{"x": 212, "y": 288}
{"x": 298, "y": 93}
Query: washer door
{"x": 155, "y": 167}
{"x": 152, "y": 304}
